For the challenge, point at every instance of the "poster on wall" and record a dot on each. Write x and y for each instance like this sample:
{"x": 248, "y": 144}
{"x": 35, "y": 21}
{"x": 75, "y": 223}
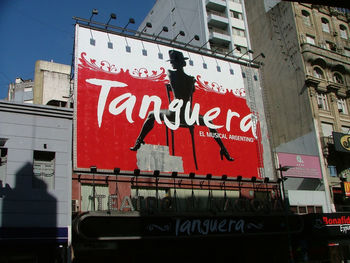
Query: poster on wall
{"x": 148, "y": 106}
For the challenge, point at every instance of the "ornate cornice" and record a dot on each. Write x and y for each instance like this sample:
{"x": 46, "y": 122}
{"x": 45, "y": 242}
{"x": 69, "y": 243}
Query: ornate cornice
{"x": 331, "y": 59}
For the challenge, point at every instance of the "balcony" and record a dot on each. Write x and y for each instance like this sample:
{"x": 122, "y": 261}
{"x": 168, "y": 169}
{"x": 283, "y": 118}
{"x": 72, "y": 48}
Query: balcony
{"x": 220, "y": 37}
{"x": 311, "y": 53}
{"x": 216, "y": 19}
{"x": 218, "y": 5}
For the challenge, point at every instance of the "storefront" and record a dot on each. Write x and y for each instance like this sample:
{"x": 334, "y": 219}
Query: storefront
{"x": 177, "y": 237}
{"x": 325, "y": 237}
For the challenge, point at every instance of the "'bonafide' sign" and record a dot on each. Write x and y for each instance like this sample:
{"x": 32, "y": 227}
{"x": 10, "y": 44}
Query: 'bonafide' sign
{"x": 332, "y": 224}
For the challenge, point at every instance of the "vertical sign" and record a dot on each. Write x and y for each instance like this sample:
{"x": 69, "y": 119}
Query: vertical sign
{"x": 347, "y": 189}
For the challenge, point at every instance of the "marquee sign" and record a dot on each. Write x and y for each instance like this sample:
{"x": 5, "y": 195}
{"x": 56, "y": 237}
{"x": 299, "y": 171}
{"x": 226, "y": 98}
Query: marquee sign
{"x": 147, "y": 106}
{"x": 94, "y": 226}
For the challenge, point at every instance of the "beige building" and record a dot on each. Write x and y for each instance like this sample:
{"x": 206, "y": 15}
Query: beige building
{"x": 51, "y": 86}
{"x": 306, "y": 80}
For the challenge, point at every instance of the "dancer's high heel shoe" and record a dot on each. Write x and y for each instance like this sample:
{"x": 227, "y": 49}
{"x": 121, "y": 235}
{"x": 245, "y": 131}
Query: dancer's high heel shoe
{"x": 223, "y": 152}
{"x": 137, "y": 145}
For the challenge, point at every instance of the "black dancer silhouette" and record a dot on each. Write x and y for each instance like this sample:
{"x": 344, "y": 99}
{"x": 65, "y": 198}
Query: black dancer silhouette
{"x": 182, "y": 86}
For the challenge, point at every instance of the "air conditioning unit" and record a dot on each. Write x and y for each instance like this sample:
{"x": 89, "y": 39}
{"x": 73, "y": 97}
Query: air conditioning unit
{"x": 75, "y": 205}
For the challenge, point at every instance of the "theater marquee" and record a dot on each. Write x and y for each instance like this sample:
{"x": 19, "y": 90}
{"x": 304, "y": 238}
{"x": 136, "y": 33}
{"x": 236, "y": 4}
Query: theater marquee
{"x": 144, "y": 105}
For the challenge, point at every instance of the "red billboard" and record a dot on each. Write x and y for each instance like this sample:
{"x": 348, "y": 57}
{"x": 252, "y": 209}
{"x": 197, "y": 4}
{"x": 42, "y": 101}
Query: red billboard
{"x": 142, "y": 105}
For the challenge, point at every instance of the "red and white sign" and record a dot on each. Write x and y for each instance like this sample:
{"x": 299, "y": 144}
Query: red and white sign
{"x": 305, "y": 166}
{"x": 124, "y": 112}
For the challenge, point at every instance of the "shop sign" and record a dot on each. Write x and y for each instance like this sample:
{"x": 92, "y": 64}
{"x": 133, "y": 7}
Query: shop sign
{"x": 341, "y": 142}
{"x": 334, "y": 224}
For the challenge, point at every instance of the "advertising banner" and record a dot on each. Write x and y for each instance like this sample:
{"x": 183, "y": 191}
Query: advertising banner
{"x": 142, "y": 105}
{"x": 305, "y": 166}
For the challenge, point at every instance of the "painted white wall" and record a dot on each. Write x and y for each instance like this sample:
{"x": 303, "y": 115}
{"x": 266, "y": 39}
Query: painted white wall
{"x": 308, "y": 198}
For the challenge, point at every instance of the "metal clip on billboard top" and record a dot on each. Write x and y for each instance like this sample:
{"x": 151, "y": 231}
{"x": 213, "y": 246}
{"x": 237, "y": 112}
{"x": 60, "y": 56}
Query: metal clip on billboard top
{"x": 112, "y": 16}
{"x": 148, "y": 24}
{"x": 164, "y": 29}
{"x": 236, "y": 48}
{"x": 195, "y": 37}
{"x": 131, "y": 21}
{"x": 93, "y": 12}
{"x": 181, "y": 33}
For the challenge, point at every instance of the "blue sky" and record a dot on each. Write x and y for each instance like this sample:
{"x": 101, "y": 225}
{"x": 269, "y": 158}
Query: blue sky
{"x": 32, "y": 30}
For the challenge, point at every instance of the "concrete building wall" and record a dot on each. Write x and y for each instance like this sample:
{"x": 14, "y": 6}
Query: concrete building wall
{"x": 21, "y": 91}
{"x": 178, "y": 15}
{"x": 304, "y": 59}
{"x": 29, "y": 199}
{"x": 52, "y": 82}
{"x": 308, "y": 198}
{"x": 292, "y": 127}
{"x": 210, "y": 20}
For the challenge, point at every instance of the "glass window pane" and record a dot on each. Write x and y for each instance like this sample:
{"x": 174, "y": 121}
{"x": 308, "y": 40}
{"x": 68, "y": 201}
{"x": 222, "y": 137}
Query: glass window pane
{"x": 327, "y": 129}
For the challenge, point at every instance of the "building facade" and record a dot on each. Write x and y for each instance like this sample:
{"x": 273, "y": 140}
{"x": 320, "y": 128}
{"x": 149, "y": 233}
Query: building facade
{"x": 312, "y": 43}
{"x": 220, "y": 25}
{"x": 306, "y": 81}
{"x": 51, "y": 86}
{"x": 137, "y": 201}
{"x": 21, "y": 91}
{"x": 35, "y": 181}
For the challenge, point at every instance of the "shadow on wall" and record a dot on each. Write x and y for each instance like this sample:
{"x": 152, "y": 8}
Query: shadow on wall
{"x": 28, "y": 226}
{"x": 28, "y": 204}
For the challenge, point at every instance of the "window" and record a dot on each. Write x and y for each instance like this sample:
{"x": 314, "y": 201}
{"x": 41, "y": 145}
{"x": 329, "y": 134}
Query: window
{"x": 3, "y": 164}
{"x": 236, "y": 15}
{"x": 318, "y": 73}
{"x": 345, "y": 129}
{"x": 43, "y": 170}
{"x": 318, "y": 209}
{"x": 332, "y": 171}
{"x": 322, "y": 101}
{"x": 238, "y": 32}
{"x": 306, "y": 17}
{"x": 343, "y": 32}
{"x": 338, "y": 78}
{"x": 310, "y": 39}
{"x": 310, "y": 209}
{"x": 325, "y": 25}
{"x": 327, "y": 129}
{"x": 302, "y": 210}
{"x": 342, "y": 106}
{"x": 331, "y": 46}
